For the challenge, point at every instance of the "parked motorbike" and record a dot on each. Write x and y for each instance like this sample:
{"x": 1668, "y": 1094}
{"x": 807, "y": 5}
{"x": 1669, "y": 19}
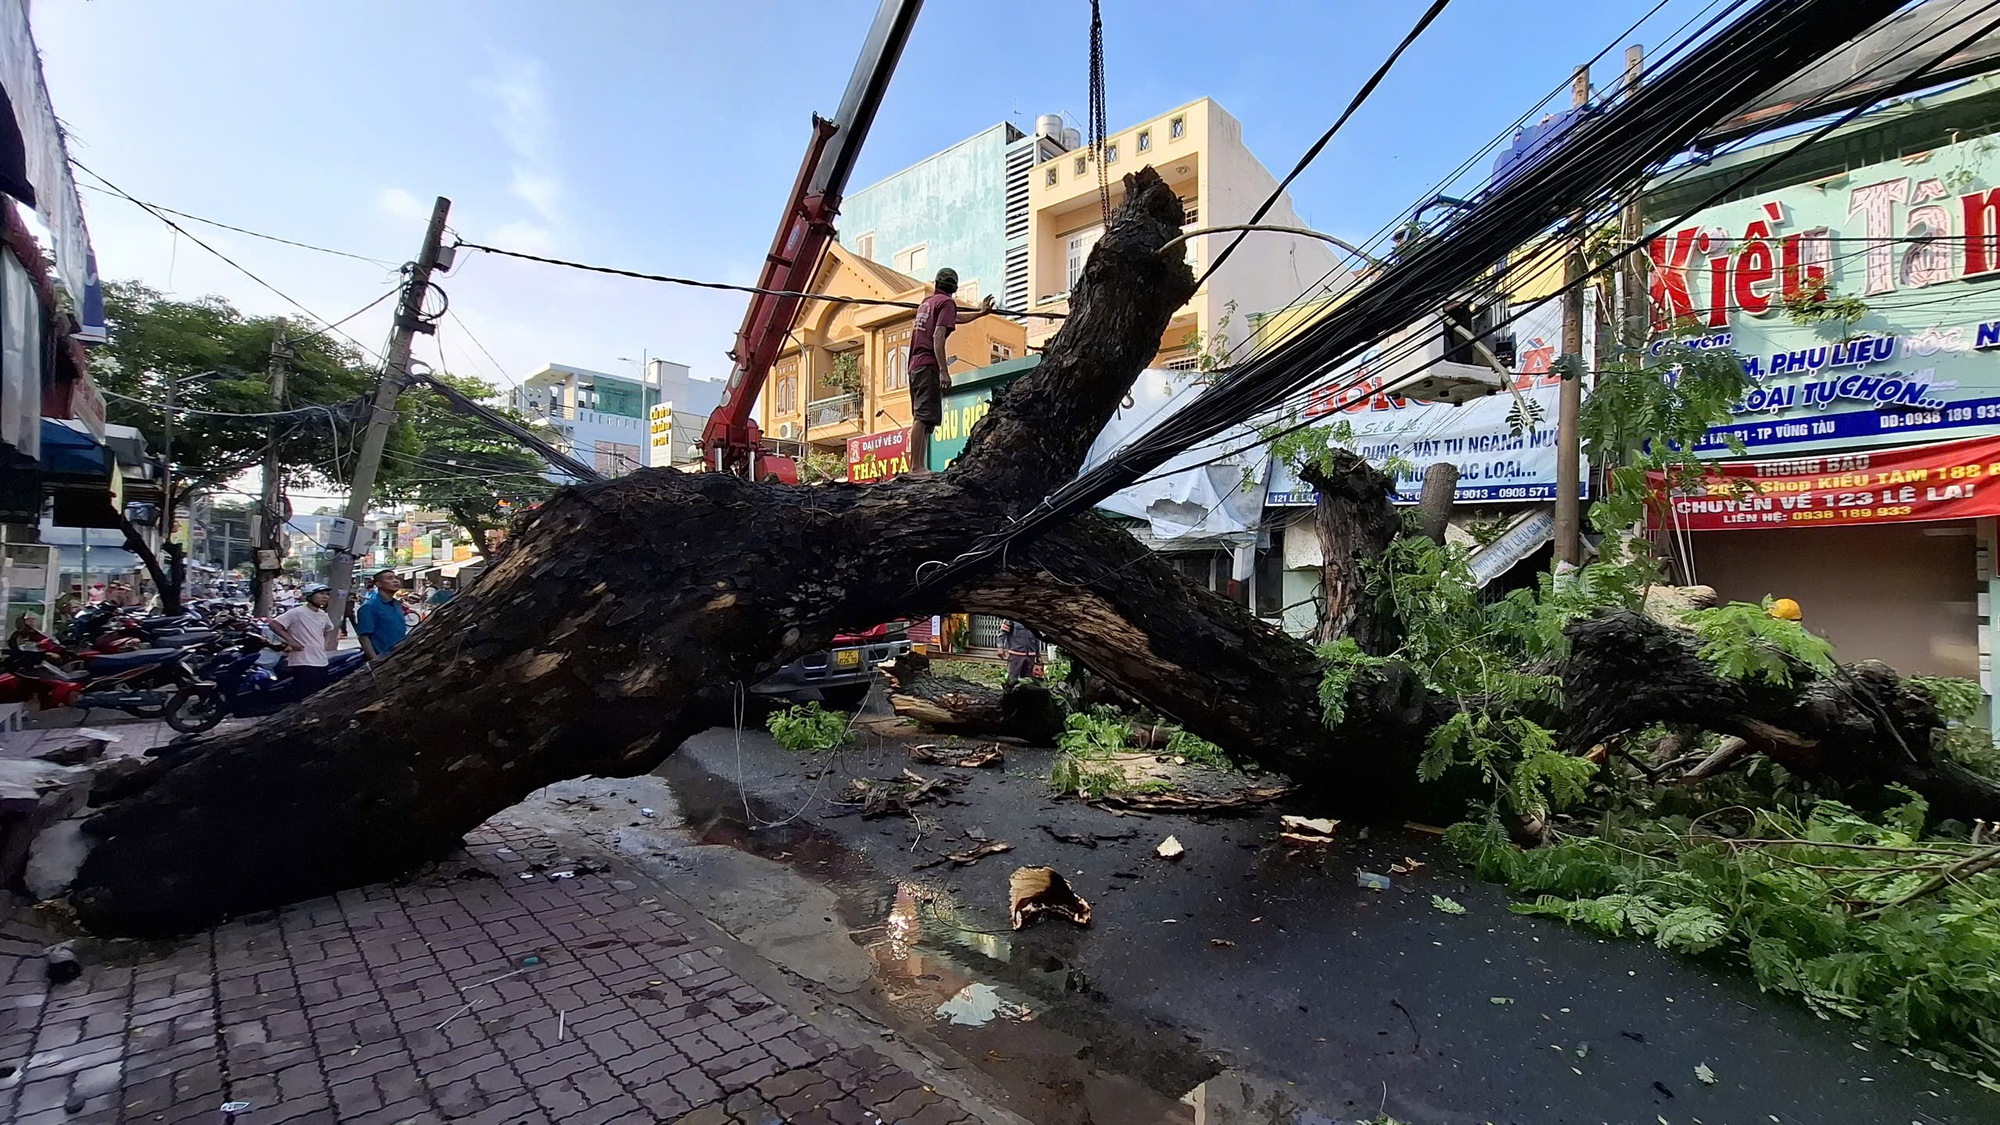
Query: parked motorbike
{"x": 140, "y": 683}
{"x": 247, "y": 679}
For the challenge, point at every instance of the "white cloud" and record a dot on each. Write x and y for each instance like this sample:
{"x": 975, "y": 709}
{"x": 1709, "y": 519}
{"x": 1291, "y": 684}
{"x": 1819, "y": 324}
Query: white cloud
{"x": 400, "y": 204}
{"x": 527, "y": 125}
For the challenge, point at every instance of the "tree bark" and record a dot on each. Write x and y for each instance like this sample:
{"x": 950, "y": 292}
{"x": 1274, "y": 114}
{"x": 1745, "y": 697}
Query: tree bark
{"x": 1864, "y": 724}
{"x": 624, "y": 617}
{"x": 1434, "y": 508}
{"x": 1356, "y": 521}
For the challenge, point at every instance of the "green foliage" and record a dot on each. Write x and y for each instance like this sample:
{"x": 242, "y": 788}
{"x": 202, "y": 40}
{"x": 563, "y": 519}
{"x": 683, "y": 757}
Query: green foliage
{"x": 1957, "y": 702}
{"x": 844, "y": 375}
{"x": 807, "y": 728}
{"x": 817, "y": 466}
{"x": 1447, "y": 905}
{"x": 1845, "y": 912}
{"x": 1198, "y": 751}
{"x": 1815, "y": 305}
{"x": 1650, "y": 416}
{"x": 1744, "y": 642}
{"x": 1084, "y": 764}
{"x": 986, "y": 673}
{"x": 454, "y": 463}
{"x": 217, "y": 360}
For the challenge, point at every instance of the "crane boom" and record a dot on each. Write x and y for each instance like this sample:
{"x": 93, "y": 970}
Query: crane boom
{"x": 732, "y": 441}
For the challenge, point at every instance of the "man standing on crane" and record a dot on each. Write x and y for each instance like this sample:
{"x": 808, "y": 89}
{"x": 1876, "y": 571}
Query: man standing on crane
{"x": 937, "y": 317}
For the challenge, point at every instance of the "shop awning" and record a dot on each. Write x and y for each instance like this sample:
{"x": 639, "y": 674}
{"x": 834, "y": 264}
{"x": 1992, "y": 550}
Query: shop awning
{"x": 81, "y": 477}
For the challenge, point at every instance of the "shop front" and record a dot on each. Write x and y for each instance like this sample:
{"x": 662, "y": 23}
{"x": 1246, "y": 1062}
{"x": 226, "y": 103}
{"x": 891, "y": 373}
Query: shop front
{"x": 1860, "y": 474}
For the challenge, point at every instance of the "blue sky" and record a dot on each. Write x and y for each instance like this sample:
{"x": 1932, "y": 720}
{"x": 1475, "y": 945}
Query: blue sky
{"x": 662, "y": 136}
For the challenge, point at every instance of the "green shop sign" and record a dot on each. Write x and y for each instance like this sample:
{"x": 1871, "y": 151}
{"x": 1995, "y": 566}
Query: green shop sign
{"x": 968, "y": 400}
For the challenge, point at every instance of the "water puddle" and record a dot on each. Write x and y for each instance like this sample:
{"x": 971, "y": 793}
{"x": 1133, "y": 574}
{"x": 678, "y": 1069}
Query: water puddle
{"x": 1050, "y": 1046}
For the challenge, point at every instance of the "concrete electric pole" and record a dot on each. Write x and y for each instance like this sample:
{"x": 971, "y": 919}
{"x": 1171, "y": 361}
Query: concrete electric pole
{"x": 395, "y": 372}
{"x": 1569, "y": 403}
{"x": 271, "y": 507}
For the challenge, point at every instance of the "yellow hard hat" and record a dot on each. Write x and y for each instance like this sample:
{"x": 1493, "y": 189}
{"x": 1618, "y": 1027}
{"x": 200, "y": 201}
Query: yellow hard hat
{"x": 1784, "y": 609}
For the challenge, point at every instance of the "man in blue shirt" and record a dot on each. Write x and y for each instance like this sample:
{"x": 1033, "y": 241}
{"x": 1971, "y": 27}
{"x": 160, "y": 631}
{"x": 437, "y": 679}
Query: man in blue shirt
{"x": 380, "y": 622}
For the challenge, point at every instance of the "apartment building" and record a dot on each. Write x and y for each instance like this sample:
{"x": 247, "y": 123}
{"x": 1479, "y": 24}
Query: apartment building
{"x": 606, "y": 420}
{"x": 965, "y": 207}
{"x": 1198, "y": 149}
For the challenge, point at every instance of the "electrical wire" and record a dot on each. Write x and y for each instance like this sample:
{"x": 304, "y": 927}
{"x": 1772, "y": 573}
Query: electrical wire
{"x": 302, "y": 410}
{"x": 231, "y": 262}
{"x": 1647, "y": 127}
{"x": 1361, "y": 96}
{"x": 383, "y": 262}
{"x": 669, "y": 280}
{"x": 1266, "y": 437}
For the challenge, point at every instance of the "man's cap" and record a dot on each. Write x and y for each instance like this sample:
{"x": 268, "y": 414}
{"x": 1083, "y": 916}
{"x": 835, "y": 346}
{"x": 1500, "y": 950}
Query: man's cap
{"x": 947, "y": 279}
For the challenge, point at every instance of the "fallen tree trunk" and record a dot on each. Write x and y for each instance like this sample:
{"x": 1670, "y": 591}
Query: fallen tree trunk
{"x": 951, "y": 705}
{"x": 1864, "y": 724}
{"x": 624, "y": 617}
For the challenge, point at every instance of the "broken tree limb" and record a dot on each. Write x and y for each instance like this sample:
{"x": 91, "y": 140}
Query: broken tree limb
{"x": 1864, "y": 724}
{"x": 1434, "y": 508}
{"x": 1356, "y": 522}
{"x": 623, "y": 617}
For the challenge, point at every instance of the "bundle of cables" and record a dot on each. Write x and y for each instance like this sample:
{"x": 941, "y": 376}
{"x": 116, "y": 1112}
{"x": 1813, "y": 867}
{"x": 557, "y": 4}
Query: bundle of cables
{"x": 1713, "y": 76}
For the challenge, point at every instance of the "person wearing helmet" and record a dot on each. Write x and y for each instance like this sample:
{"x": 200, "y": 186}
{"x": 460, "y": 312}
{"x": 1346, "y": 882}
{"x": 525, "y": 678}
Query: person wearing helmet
{"x": 308, "y": 635}
{"x": 1785, "y": 609}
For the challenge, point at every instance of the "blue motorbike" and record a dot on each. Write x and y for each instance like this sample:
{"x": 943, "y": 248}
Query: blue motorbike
{"x": 248, "y": 682}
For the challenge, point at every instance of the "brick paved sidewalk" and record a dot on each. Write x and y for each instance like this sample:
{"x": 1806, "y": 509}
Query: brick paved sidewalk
{"x": 354, "y": 1008}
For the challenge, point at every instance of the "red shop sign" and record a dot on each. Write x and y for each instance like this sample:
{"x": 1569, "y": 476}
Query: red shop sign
{"x": 1946, "y": 481}
{"x": 878, "y": 456}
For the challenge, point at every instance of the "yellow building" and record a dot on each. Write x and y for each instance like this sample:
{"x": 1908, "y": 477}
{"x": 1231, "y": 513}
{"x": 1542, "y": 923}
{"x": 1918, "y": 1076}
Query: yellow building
{"x": 846, "y": 371}
{"x": 1198, "y": 149}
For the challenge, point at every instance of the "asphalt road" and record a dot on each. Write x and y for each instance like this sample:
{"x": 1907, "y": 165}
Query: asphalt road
{"x": 1254, "y": 964}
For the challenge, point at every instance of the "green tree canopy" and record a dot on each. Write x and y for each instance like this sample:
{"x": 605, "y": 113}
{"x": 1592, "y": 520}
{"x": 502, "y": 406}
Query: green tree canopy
{"x": 217, "y": 359}
{"x": 455, "y": 464}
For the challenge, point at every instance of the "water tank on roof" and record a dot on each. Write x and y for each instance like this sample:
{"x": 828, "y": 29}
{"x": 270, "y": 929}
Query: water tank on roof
{"x": 1072, "y": 138}
{"x": 1049, "y": 125}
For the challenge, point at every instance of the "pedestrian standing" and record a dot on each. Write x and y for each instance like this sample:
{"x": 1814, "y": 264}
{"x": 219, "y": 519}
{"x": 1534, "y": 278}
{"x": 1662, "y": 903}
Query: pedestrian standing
{"x": 1022, "y": 650}
{"x": 379, "y": 622}
{"x": 308, "y": 635}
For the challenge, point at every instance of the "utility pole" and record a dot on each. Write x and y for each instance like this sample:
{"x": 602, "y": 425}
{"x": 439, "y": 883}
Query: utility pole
{"x": 1569, "y": 403}
{"x": 1635, "y": 314}
{"x": 395, "y": 371}
{"x": 271, "y": 508}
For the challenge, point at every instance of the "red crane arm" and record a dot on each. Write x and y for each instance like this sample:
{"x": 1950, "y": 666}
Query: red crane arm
{"x": 732, "y": 441}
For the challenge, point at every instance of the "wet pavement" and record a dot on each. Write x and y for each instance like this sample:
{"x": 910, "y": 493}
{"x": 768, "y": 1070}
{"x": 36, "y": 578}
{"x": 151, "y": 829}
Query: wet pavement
{"x": 1246, "y": 982}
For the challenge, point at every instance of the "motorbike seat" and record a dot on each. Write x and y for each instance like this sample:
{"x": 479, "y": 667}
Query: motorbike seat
{"x": 126, "y": 661}
{"x": 183, "y": 640}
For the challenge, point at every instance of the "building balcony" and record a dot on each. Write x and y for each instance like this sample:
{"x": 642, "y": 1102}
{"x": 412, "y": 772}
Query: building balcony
{"x": 827, "y": 412}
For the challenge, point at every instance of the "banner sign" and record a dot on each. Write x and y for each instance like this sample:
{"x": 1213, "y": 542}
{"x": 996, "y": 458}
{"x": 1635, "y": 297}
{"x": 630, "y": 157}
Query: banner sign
{"x": 1916, "y": 240}
{"x": 878, "y": 456}
{"x": 660, "y": 434}
{"x": 1495, "y": 463}
{"x": 1946, "y": 481}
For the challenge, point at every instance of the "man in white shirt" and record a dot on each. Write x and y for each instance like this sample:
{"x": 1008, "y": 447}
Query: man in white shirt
{"x": 308, "y": 635}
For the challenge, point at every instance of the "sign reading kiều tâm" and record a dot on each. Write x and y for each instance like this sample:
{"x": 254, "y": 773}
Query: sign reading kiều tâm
{"x": 1917, "y": 241}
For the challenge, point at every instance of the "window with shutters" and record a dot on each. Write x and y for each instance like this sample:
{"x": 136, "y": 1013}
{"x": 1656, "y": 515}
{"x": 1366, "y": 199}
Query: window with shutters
{"x": 915, "y": 260}
{"x": 785, "y": 388}
{"x": 864, "y": 245}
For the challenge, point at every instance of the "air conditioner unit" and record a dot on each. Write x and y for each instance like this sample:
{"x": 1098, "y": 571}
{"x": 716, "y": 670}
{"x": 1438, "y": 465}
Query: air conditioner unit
{"x": 788, "y": 431}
